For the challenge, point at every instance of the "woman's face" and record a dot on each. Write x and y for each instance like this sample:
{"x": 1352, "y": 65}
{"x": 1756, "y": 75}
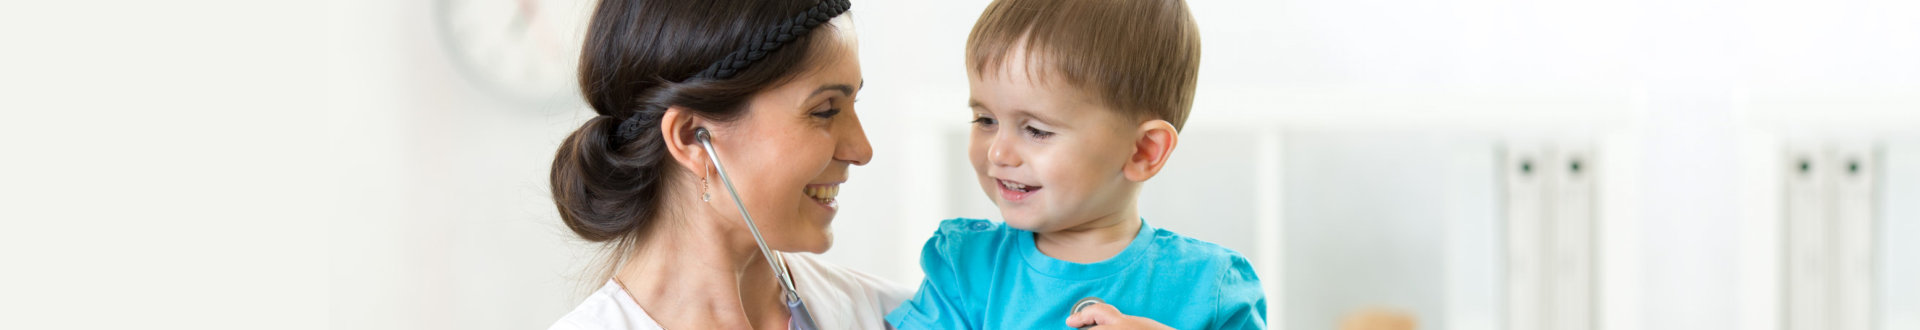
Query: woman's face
{"x": 789, "y": 153}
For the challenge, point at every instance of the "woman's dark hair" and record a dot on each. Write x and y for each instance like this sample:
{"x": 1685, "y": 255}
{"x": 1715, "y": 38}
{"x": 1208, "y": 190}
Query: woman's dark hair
{"x": 641, "y": 56}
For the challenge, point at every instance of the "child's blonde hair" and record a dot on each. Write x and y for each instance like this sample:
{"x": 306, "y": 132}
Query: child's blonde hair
{"x": 1141, "y": 57}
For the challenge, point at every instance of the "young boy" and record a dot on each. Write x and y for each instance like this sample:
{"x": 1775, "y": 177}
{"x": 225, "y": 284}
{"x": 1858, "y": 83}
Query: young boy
{"x": 1075, "y": 104}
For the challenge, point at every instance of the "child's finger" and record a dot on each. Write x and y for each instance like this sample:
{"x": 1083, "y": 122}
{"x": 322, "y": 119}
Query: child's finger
{"x": 1094, "y": 315}
{"x": 1079, "y": 321}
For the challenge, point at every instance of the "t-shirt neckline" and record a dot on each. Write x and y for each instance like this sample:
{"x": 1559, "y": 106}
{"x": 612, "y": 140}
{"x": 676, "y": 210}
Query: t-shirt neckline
{"x": 1052, "y": 267}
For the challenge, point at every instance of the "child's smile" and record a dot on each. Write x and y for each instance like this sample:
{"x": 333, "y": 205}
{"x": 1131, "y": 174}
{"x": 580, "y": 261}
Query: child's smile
{"x": 1014, "y": 191}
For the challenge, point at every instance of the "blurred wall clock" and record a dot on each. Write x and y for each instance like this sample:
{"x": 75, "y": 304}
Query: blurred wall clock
{"x": 524, "y": 51}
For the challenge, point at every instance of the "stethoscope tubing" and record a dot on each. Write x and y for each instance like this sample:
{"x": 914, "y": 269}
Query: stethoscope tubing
{"x": 801, "y": 318}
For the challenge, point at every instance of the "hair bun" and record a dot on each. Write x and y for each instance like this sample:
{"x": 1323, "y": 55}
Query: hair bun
{"x": 602, "y": 193}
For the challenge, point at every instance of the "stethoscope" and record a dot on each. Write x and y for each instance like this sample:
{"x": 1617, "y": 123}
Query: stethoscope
{"x": 800, "y": 318}
{"x": 1083, "y": 304}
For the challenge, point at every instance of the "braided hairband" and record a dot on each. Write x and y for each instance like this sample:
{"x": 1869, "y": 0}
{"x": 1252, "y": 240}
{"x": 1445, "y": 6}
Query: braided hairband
{"x": 757, "y": 47}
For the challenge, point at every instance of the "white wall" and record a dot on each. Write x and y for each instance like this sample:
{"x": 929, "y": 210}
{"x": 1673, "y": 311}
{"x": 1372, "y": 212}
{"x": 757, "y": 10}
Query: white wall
{"x": 1899, "y": 237}
{"x": 247, "y": 164}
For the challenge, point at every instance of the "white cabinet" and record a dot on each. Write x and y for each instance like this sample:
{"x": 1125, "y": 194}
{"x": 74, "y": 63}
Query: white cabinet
{"x": 1830, "y": 195}
{"x": 1549, "y": 227}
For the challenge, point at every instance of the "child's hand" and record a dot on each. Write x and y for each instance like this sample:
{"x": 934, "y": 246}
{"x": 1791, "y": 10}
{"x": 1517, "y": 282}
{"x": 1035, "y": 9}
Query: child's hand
{"x": 1105, "y": 317}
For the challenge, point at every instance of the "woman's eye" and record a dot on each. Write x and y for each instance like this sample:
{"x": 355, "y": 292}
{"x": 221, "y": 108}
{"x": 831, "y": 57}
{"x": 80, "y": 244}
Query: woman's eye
{"x": 826, "y": 114}
{"x": 983, "y": 121}
{"x": 1035, "y": 132}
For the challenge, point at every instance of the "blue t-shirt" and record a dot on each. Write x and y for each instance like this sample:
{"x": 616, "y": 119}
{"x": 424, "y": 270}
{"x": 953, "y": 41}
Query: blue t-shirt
{"x": 985, "y": 275}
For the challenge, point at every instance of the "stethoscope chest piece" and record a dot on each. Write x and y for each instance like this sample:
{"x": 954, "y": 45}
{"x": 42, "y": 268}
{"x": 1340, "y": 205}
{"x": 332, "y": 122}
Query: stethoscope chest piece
{"x": 1083, "y": 304}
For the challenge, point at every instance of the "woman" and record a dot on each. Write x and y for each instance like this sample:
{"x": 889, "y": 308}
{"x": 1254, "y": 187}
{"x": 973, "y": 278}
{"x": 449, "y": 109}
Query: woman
{"x": 773, "y": 81}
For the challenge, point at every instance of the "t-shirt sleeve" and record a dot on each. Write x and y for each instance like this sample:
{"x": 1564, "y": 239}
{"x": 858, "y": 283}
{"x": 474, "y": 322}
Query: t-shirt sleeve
{"x": 1242, "y": 303}
{"x": 940, "y": 302}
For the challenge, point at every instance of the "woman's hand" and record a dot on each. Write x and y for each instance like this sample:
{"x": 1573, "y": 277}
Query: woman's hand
{"x": 1105, "y": 317}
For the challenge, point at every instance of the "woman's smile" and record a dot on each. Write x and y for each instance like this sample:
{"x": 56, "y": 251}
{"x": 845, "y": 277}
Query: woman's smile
{"x": 823, "y": 194}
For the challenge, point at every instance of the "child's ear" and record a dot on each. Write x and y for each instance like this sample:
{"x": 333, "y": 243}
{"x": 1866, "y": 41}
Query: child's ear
{"x": 1156, "y": 139}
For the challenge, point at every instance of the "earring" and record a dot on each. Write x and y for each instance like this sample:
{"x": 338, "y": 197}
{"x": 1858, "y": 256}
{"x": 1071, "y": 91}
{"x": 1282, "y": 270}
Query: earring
{"x": 703, "y": 186}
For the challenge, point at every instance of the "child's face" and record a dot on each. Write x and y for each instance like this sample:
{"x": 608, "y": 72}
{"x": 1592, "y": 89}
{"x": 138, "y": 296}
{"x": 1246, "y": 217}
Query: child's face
{"x": 1046, "y": 153}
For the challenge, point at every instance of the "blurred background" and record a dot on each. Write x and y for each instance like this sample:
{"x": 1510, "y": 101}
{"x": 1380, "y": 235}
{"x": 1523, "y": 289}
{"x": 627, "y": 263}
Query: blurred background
{"x": 1386, "y": 164}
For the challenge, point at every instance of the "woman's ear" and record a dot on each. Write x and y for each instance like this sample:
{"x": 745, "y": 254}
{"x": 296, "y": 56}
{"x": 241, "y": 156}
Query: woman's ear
{"x": 676, "y": 128}
{"x": 1154, "y": 142}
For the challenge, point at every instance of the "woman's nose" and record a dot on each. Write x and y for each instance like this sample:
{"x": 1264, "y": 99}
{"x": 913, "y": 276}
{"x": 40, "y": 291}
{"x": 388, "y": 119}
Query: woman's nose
{"x": 853, "y": 146}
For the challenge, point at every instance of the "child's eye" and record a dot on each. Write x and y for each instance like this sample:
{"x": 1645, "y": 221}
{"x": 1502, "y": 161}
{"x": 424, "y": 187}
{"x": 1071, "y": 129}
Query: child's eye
{"x": 827, "y": 114}
{"x": 1037, "y": 133}
{"x": 984, "y": 122}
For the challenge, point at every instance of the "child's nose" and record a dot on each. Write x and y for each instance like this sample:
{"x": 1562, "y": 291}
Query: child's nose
{"x": 1002, "y": 152}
